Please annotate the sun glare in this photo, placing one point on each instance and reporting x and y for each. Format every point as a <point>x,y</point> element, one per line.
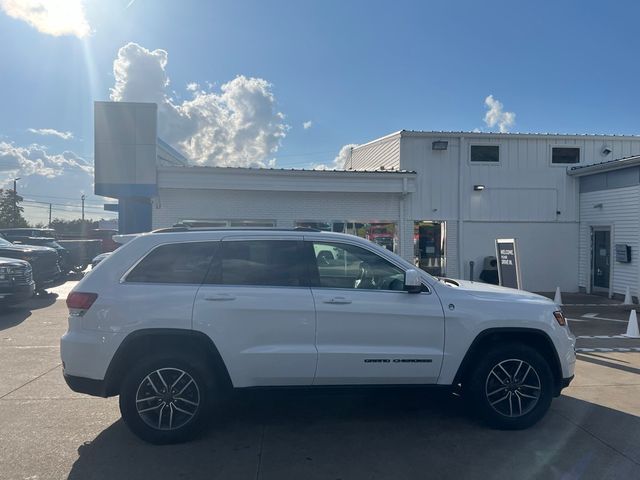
<point>53,17</point>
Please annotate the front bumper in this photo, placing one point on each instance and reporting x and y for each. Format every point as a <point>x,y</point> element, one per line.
<point>16,293</point>
<point>566,381</point>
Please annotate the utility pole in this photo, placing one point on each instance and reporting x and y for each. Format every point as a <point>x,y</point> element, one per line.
<point>49,215</point>
<point>15,201</point>
<point>82,198</point>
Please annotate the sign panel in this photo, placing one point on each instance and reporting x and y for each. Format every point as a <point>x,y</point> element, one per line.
<point>125,140</point>
<point>623,253</point>
<point>508,266</point>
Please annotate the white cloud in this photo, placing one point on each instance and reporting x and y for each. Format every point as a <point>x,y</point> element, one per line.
<point>53,17</point>
<point>51,131</point>
<point>193,86</point>
<point>340,161</point>
<point>43,174</point>
<point>307,125</point>
<point>239,125</point>
<point>35,160</point>
<point>497,116</point>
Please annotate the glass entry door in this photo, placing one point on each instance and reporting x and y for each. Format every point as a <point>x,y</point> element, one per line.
<point>601,259</point>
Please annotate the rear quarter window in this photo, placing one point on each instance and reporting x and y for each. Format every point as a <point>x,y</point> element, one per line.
<point>175,263</point>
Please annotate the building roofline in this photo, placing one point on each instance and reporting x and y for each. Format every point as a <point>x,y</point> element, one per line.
<point>458,134</point>
<point>287,171</point>
<point>380,139</point>
<point>412,133</point>
<point>609,165</point>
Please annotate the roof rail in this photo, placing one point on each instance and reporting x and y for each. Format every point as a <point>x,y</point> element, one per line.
<point>183,228</point>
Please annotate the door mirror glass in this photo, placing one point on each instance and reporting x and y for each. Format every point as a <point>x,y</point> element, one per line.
<point>412,281</point>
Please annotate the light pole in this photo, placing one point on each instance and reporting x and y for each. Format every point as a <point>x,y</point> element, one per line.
<point>82,198</point>
<point>15,201</point>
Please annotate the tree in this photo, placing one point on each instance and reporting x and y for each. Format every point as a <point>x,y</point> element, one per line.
<point>10,210</point>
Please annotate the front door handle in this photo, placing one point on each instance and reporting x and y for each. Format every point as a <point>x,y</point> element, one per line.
<point>219,297</point>
<point>337,300</point>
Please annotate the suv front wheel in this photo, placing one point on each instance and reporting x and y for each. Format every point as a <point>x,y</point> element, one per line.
<point>167,399</point>
<point>511,387</point>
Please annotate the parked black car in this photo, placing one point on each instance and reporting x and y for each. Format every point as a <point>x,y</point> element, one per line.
<point>16,281</point>
<point>43,260</point>
<point>65,259</point>
<point>78,252</point>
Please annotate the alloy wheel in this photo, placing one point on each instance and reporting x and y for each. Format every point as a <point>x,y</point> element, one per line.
<point>167,399</point>
<point>513,388</point>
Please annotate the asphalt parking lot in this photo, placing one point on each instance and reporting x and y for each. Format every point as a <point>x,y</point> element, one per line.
<point>592,430</point>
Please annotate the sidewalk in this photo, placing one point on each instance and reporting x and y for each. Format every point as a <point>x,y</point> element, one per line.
<point>584,299</point>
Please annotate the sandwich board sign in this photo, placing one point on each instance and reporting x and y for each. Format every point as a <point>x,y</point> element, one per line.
<point>508,266</point>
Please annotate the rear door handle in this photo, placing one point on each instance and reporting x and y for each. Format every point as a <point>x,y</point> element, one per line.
<point>337,300</point>
<point>219,297</point>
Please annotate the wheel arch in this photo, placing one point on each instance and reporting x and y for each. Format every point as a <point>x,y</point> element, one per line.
<point>532,337</point>
<point>145,342</point>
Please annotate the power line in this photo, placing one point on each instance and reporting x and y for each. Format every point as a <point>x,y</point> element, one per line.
<point>66,208</point>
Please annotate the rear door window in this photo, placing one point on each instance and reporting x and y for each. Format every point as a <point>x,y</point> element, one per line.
<point>185,263</point>
<point>260,263</point>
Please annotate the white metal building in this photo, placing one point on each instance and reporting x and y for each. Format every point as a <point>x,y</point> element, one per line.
<point>438,198</point>
<point>609,226</point>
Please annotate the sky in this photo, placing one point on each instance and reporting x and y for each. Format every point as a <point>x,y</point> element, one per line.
<point>290,83</point>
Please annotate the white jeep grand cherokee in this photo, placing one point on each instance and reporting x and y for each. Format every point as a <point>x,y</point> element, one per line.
<point>174,319</point>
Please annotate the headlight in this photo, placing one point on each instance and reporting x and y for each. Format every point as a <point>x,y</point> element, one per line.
<point>562,321</point>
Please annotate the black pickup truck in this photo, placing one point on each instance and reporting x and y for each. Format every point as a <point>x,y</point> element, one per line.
<point>16,281</point>
<point>75,255</point>
<point>43,260</point>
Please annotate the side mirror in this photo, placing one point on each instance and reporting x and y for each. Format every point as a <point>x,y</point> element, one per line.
<point>412,281</point>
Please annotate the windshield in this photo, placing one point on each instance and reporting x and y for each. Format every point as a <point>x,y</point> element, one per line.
<point>5,243</point>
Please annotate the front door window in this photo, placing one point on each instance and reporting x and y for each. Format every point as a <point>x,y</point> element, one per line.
<point>348,266</point>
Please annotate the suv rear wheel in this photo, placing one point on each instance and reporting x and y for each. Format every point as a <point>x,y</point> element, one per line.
<point>167,399</point>
<point>511,387</point>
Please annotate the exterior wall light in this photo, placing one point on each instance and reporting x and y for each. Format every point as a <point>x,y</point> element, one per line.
<point>439,145</point>
<point>478,188</point>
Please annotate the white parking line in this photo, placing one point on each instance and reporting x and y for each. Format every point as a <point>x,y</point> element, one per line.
<point>602,336</point>
<point>598,318</point>
<point>614,349</point>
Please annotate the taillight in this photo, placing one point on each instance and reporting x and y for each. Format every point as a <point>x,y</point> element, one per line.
<point>560,318</point>
<point>81,300</point>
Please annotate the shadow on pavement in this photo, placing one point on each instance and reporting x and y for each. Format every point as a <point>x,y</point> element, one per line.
<point>586,357</point>
<point>12,315</point>
<point>364,434</point>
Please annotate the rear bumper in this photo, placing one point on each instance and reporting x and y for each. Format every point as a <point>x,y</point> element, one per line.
<point>86,385</point>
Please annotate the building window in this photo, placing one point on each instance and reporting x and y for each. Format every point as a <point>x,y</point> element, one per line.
<point>379,232</point>
<point>565,155</point>
<point>485,153</point>
<point>228,223</point>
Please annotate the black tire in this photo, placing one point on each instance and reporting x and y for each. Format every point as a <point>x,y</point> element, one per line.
<point>139,384</point>
<point>487,390</point>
